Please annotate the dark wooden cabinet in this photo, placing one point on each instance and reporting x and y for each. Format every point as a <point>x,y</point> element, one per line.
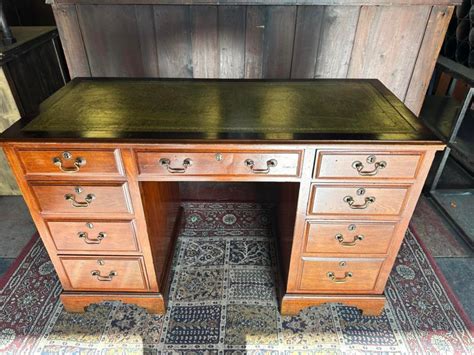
<point>30,71</point>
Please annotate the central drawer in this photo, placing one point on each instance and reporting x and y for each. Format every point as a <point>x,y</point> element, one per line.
<point>336,275</point>
<point>85,199</point>
<point>351,199</point>
<point>93,236</point>
<point>105,273</point>
<point>208,163</point>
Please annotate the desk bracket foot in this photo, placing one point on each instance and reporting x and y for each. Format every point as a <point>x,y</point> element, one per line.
<point>370,305</point>
<point>77,302</point>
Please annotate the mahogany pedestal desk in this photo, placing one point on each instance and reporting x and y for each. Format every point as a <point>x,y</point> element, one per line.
<point>101,167</point>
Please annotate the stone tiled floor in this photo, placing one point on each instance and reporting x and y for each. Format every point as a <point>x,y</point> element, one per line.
<point>453,257</point>
<point>16,229</point>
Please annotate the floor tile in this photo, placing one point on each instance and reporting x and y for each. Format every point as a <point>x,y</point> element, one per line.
<point>13,207</point>
<point>16,226</point>
<point>14,235</point>
<point>459,272</point>
<point>436,234</point>
<point>5,264</point>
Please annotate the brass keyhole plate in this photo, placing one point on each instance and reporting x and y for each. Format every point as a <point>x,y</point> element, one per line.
<point>371,159</point>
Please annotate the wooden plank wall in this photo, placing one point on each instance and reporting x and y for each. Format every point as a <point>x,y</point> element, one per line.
<point>396,44</point>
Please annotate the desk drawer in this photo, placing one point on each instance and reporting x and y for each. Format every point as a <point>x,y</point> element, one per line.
<point>71,162</point>
<point>367,165</point>
<point>105,273</point>
<point>348,237</point>
<point>84,199</point>
<point>357,199</point>
<point>336,275</point>
<point>93,236</point>
<point>205,163</point>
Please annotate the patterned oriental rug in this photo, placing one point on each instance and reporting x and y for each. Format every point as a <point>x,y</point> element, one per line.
<point>223,301</point>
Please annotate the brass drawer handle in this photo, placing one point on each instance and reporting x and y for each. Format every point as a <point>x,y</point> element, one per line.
<point>78,163</point>
<point>251,165</point>
<point>350,201</point>
<point>87,240</point>
<point>359,166</point>
<point>164,162</point>
<point>339,280</point>
<point>80,204</point>
<point>99,277</point>
<point>340,239</point>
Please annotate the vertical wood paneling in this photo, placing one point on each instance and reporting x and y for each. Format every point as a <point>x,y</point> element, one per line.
<point>278,42</point>
<point>71,40</point>
<point>173,37</point>
<point>307,38</point>
<point>337,39</point>
<point>111,37</point>
<point>254,38</point>
<point>184,41</point>
<point>387,42</point>
<point>9,114</point>
<point>426,61</point>
<point>147,40</point>
<point>34,75</point>
<point>232,41</point>
<point>205,42</point>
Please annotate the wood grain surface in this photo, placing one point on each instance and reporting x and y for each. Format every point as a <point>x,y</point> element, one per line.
<point>395,43</point>
<point>267,2</point>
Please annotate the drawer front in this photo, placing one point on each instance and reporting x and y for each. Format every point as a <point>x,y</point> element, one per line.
<point>84,199</point>
<point>71,162</point>
<point>93,236</point>
<point>348,238</point>
<point>367,165</point>
<point>165,163</point>
<point>168,163</point>
<point>333,275</point>
<point>271,163</point>
<point>357,200</point>
<point>105,273</point>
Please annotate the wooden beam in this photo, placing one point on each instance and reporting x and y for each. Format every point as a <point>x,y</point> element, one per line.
<point>263,2</point>
<point>71,40</point>
<point>426,61</point>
